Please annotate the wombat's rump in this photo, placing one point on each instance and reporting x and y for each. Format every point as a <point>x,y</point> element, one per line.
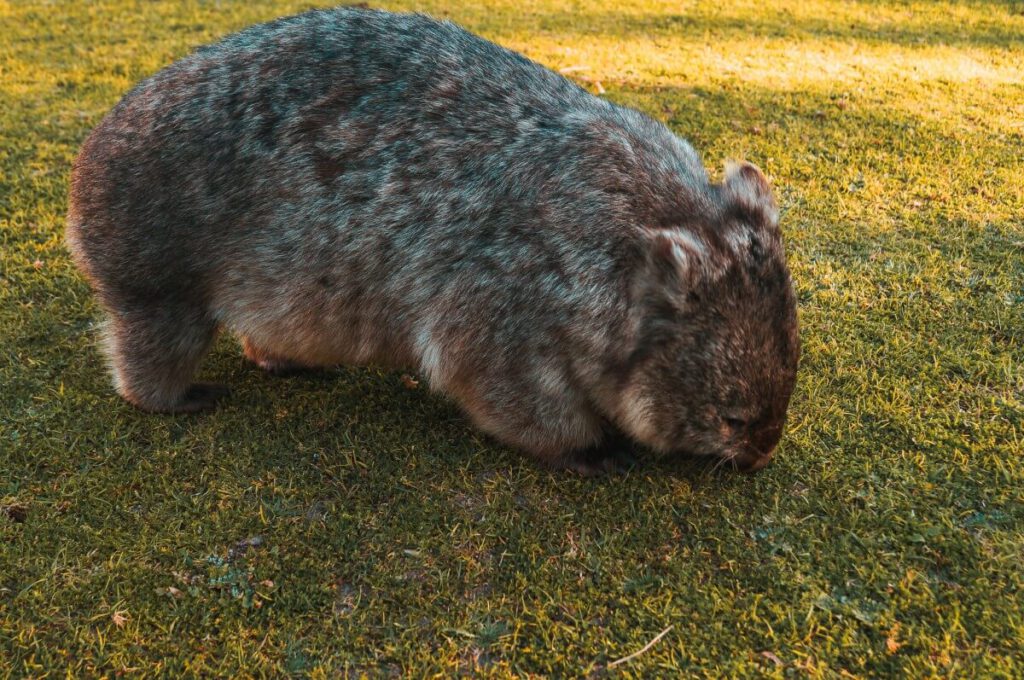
<point>352,186</point>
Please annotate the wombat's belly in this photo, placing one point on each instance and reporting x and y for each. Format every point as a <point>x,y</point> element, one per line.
<point>314,321</point>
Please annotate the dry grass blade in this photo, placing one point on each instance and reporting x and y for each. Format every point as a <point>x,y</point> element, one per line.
<point>627,659</point>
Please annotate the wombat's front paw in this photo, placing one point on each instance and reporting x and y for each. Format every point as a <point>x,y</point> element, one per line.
<point>282,369</point>
<point>200,397</point>
<point>606,458</point>
<point>271,363</point>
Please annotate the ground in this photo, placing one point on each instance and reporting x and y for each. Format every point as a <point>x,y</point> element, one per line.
<point>353,523</point>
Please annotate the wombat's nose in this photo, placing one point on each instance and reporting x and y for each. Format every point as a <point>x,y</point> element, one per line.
<point>752,461</point>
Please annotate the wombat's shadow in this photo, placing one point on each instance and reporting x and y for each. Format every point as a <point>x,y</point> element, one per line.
<point>402,403</point>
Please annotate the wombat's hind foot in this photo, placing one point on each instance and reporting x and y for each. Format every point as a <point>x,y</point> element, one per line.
<point>271,363</point>
<point>201,397</point>
<point>153,356</point>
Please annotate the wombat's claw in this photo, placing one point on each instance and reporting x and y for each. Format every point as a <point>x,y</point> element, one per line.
<point>201,397</point>
<point>282,369</point>
<point>288,369</point>
<point>270,362</point>
<point>602,460</point>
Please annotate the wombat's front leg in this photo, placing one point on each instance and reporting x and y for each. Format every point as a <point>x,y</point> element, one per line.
<point>612,455</point>
<point>558,429</point>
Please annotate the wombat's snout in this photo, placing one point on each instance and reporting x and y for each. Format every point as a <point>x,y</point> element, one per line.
<point>758,447</point>
<point>752,461</point>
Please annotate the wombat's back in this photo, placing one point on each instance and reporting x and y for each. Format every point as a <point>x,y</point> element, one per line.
<point>338,106</point>
<point>350,110</point>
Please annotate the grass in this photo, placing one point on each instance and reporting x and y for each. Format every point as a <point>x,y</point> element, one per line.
<point>349,525</point>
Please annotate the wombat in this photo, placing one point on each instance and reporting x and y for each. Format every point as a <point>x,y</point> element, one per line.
<point>353,186</point>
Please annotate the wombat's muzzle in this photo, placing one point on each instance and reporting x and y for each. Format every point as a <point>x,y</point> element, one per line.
<point>759,447</point>
<point>752,461</point>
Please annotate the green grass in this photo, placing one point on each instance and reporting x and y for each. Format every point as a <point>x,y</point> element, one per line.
<point>348,525</point>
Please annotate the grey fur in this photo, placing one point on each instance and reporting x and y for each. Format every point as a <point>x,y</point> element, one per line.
<point>353,186</point>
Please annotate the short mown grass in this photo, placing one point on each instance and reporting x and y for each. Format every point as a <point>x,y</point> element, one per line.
<point>346,524</point>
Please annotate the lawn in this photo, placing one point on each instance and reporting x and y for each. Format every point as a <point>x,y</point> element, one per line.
<point>349,524</point>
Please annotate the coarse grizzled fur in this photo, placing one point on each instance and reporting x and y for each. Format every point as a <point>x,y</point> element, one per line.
<point>354,186</point>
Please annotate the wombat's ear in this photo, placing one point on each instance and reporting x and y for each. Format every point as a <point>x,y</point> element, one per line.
<point>672,260</point>
<point>747,188</point>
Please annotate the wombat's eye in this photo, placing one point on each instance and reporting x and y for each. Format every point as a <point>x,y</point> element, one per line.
<point>735,423</point>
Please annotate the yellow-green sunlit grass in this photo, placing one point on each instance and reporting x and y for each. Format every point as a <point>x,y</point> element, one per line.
<point>346,525</point>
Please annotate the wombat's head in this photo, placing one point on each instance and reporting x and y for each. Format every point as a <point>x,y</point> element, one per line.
<point>717,345</point>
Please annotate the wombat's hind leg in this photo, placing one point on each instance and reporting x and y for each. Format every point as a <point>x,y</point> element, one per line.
<point>154,353</point>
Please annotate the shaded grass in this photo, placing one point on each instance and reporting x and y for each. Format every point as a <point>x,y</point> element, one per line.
<point>346,524</point>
